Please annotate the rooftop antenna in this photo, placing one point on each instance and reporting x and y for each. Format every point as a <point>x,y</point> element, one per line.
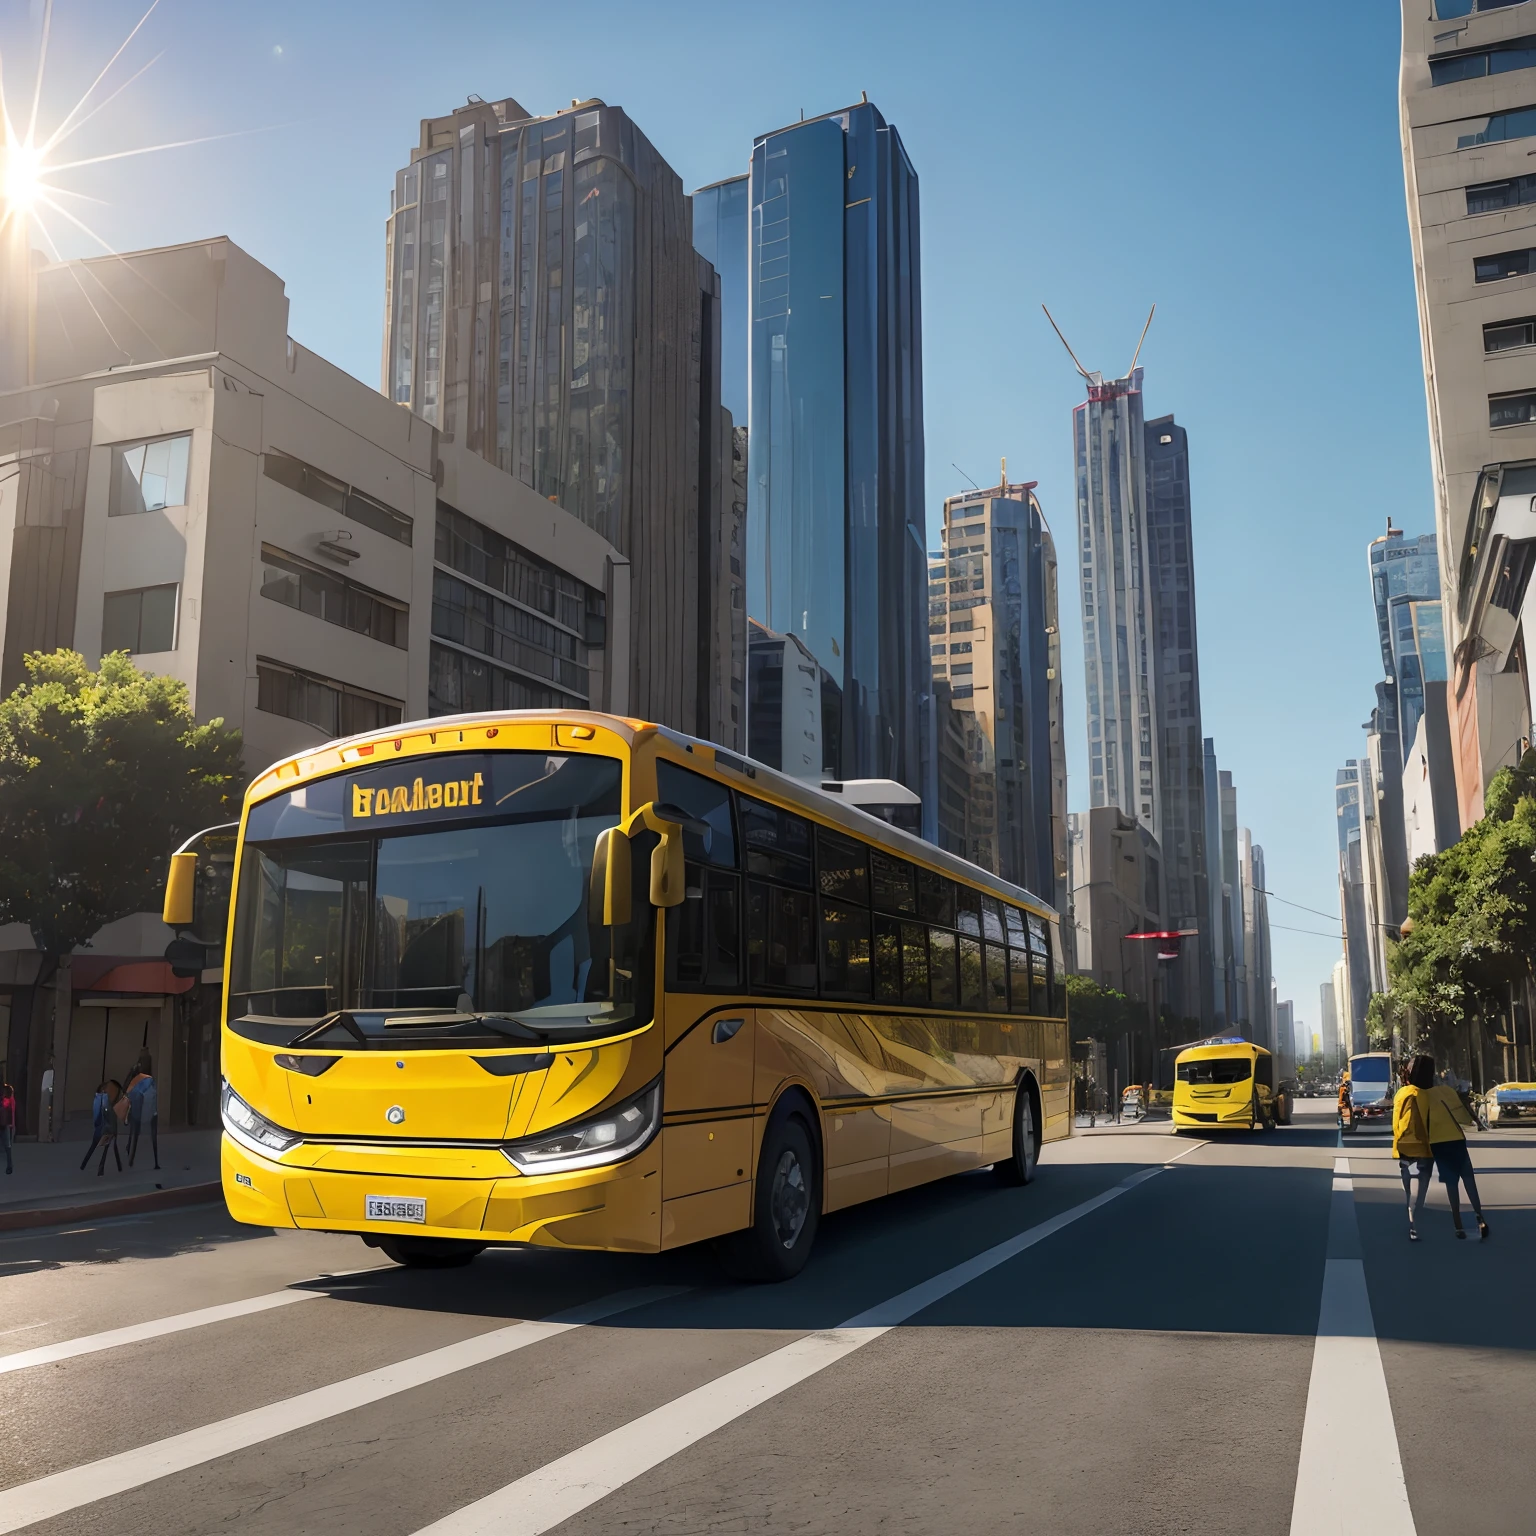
<point>1005,473</point>
<point>1147,327</point>
<point>963,475</point>
<point>1068,346</point>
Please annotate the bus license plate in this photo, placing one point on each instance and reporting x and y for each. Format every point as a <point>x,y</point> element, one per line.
<point>395,1208</point>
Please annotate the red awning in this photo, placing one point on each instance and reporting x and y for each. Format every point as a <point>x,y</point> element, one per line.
<point>102,973</point>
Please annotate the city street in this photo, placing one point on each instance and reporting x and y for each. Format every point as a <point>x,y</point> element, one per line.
<point>1127,1345</point>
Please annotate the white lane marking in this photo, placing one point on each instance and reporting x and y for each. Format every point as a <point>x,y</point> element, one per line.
<point>1168,1162</point>
<point>86,1344</point>
<point>1350,1475</point>
<point>46,1354</point>
<point>555,1492</point>
<point>45,1497</point>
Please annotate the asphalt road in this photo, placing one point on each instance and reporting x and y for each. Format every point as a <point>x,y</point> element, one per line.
<point>1131,1344</point>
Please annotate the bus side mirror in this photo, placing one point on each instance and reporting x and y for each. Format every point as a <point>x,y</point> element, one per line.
<point>668,860</point>
<point>180,889</point>
<point>608,899</point>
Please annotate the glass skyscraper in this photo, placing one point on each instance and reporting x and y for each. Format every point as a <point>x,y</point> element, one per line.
<point>1405,588</point>
<point>835,494</point>
<point>720,237</point>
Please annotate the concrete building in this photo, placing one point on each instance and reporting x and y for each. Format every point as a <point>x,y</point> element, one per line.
<point>1285,1025</point>
<point>1328,1035</point>
<point>785,688</point>
<point>1258,957</point>
<point>546,311</point>
<point>184,481</point>
<point>836,548</point>
<point>995,640</point>
<point>1216,939</point>
<point>1352,904</point>
<point>1467,84</point>
<point>1117,889</point>
<point>1385,848</point>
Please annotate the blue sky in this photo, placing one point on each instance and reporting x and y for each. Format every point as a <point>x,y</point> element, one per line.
<point>1238,165</point>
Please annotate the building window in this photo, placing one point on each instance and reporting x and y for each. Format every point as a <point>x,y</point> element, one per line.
<point>140,622</point>
<point>336,494</point>
<point>1512,410</point>
<point>480,622</point>
<point>1506,335</point>
<point>287,579</point>
<point>1499,59</point>
<point>1500,128</point>
<point>1491,196</point>
<point>1490,269</point>
<point>335,708</point>
<point>147,477</point>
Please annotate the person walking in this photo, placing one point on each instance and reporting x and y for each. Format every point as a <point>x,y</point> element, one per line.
<point>1434,1116</point>
<point>7,1120</point>
<point>1410,1146</point>
<point>108,1109</point>
<point>1344,1101</point>
<point>143,1110</point>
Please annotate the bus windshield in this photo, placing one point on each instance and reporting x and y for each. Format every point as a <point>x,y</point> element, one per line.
<point>1216,1069</point>
<point>481,906</point>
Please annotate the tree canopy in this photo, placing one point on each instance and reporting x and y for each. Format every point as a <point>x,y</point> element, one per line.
<point>1473,911</point>
<point>102,774</point>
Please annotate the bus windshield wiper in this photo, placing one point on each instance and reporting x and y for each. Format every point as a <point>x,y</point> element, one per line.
<point>323,1026</point>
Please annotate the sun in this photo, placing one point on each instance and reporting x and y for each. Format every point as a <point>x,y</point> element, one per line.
<point>21,178</point>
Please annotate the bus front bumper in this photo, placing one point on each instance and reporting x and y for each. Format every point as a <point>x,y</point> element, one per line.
<point>614,1207</point>
<point>1215,1117</point>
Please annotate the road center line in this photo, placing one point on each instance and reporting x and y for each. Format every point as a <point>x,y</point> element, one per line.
<point>1350,1475</point>
<point>555,1492</point>
<point>45,1497</point>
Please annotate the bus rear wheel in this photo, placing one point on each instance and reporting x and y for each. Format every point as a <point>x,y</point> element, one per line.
<point>429,1252</point>
<point>786,1207</point>
<point>1019,1168</point>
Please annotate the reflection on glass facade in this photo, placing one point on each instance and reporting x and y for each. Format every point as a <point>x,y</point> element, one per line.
<point>1405,588</point>
<point>835,518</point>
<point>547,311</point>
<point>720,237</point>
<point>995,655</point>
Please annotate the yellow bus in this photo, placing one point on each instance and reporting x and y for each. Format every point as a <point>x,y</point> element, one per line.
<point>1226,1081</point>
<point>580,981</point>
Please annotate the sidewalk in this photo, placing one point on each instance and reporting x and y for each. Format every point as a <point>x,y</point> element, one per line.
<point>48,1185</point>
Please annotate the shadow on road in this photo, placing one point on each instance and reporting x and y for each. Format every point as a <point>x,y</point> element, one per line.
<point>158,1235</point>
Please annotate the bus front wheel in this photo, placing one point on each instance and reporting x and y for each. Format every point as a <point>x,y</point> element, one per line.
<point>786,1206</point>
<point>429,1252</point>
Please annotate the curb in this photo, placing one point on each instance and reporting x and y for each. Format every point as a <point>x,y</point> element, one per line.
<point>123,1205</point>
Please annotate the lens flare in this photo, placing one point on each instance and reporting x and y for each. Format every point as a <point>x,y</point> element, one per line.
<point>21,178</point>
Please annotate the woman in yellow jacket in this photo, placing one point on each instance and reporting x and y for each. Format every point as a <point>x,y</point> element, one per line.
<point>1427,1126</point>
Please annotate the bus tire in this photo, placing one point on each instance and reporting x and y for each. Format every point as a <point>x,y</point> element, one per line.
<point>429,1252</point>
<point>1019,1167</point>
<point>786,1204</point>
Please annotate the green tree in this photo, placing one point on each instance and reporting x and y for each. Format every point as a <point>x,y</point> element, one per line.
<point>102,774</point>
<point>1472,917</point>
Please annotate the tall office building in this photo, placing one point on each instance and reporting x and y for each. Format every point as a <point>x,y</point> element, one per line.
<point>1140,647</point>
<point>546,310</point>
<point>1405,574</point>
<point>1175,650</point>
<point>1216,948</point>
<point>1352,904</point>
<point>720,236</point>
<point>1467,83</point>
<point>836,546</point>
<point>996,646</point>
<point>1328,1037</point>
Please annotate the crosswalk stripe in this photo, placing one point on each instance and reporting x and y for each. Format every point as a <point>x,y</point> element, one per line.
<point>46,1354</point>
<point>555,1492</point>
<point>56,1494</point>
<point>1350,1473</point>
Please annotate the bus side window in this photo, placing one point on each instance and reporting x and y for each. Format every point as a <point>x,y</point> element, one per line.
<point>941,967</point>
<point>1264,1071</point>
<point>706,801</point>
<point>704,933</point>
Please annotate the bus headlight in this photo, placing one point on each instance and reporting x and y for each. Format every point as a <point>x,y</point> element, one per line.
<point>610,1137</point>
<point>251,1130</point>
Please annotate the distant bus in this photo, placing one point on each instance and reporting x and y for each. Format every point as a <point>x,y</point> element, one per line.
<point>1225,1082</point>
<point>578,981</point>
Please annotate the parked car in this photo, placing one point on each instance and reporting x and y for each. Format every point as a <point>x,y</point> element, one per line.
<point>1510,1102</point>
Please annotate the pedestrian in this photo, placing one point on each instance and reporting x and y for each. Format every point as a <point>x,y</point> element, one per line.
<point>1410,1146</point>
<point>143,1109</point>
<point>7,1119</point>
<point>1433,1116</point>
<point>1343,1101</point>
<point>107,1111</point>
